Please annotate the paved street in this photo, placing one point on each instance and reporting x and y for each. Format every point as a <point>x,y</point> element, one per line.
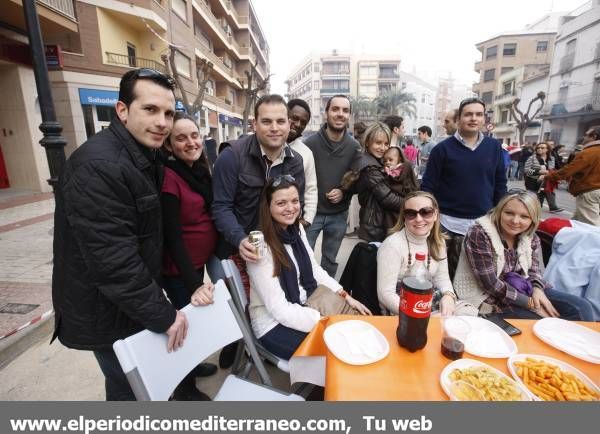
<point>53,372</point>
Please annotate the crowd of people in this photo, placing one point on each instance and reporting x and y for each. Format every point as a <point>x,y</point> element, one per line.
<point>140,209</point>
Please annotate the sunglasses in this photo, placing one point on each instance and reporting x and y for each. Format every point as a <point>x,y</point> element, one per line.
<point>281,178</point>
<point>153,73</point>
<point>426,213</point>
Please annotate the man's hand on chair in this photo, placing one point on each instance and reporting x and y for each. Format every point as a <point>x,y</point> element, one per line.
<point>177,332</point>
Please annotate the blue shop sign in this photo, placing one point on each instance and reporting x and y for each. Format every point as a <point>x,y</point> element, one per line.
<point>98,97</point>
<point>229,120</point>
<point>180,107</point>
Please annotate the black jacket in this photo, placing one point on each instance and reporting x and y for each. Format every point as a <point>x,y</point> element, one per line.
<point>375,197</point>
<point>239,176</point>
<point>108,243</point>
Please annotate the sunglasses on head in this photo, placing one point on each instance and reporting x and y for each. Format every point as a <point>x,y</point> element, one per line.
<point>153,73</point>
<point>426,213</point>
<point>279,179</point>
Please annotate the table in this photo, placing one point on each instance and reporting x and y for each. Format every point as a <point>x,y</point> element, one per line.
<point>406,376</point>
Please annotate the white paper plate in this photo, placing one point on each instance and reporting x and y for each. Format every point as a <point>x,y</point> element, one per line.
<point>356,342</point>
<point>562,365</point>
<point>572,338</point>
<point>488,340</point>
<point>470,363</point>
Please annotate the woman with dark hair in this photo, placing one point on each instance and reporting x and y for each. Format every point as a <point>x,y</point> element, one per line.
<point>539,164</point>
<point>286,279</point>
<point>189,234</point>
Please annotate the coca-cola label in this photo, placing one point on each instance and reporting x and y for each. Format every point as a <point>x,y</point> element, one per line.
<point>415,305</point>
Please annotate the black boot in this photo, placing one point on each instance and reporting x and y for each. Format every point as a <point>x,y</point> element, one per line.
<point>187,391</point>
<point>204,370</point>
<point>227,356</point>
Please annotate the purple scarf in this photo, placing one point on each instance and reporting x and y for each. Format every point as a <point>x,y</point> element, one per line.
<point>518,282</point>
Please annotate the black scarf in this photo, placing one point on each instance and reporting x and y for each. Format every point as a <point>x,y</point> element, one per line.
<point>197,177</point>
<point>288,277</point>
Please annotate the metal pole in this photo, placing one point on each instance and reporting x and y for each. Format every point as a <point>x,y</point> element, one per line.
<point>53,142</point>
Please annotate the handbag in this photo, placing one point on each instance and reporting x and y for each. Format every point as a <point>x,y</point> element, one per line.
<point>532,183</point>
<point>328,302</point>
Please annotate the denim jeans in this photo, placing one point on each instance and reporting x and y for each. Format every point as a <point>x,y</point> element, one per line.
<point>569,306</point>
<point>115,382</point>
<point>334,229</point>
<point>176,290</point>
<point>282,341</point>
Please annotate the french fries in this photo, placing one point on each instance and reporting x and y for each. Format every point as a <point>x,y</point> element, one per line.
<point>491,385</point>
<point>550,383</point>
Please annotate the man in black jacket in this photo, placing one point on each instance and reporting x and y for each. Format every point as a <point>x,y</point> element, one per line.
<point>108,232</point>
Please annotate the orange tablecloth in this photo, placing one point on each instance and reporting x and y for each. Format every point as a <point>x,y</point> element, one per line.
<point>413,376</point>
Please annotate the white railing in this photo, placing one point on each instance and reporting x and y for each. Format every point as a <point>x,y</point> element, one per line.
<point>65,7</point>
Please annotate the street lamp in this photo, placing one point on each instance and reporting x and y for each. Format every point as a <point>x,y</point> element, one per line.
<point>53,141</point>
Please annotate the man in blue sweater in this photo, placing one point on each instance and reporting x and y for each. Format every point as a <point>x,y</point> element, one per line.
<point>466,174</point>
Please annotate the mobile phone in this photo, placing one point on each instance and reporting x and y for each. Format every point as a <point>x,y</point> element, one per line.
<point>510,329</point>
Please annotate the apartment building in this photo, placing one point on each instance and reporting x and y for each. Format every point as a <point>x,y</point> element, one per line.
<point>524,83</point>
<point>319,76</point>
<point>425,98</point>
<point>450,93</point>
<point>92,43</point>
<point>573,96</point>
<point>533,45</point>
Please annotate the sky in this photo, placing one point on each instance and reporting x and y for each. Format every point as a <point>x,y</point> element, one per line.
<point>432,38</point>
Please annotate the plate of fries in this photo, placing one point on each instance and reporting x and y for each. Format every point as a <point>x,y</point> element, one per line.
<point>549,379</point>
<point>472,380</point>
<point>569,337</point>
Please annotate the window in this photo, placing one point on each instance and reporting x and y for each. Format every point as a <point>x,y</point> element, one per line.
<point>489,74</point>
<point>316,67</point>
<point>180,8</point>
<point>368,71</point>
<point>182,64</point>
<point>506,69</point>
<point>210,87</point>
<point>509,50</point>
<point>542,46</point>
<point>368,90</point>
<point>131,55</point>
<point>504,116</point>
<point>508,87</point>
<point>341,85</point>
<point>202,37</point>
<point>491,52</point>
<point>336,68</point>
<point>316,85</point>
<point>562,94</point>
<point>487,97</point>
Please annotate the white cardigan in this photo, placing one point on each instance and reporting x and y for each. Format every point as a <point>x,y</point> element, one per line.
<point>392,264</point>
<point>268,305</point>
<point>311,195</point>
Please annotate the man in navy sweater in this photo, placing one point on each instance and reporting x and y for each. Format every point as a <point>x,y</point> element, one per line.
<point>465,173</point>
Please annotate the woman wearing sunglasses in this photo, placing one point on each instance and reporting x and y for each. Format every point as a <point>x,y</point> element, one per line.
<point>286,278</point>
<point>417,231</point>
<point>498,270</point>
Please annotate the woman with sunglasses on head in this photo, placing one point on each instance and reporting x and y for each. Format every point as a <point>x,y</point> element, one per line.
<point>189,234</point>
<point>536,166</point>
<point>417,231</point>
<point>498,270</point>
<point>286,277</point>
<point>380,195</point>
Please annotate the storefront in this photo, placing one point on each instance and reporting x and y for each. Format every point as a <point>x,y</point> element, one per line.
<point>98,108</point>
<point>231,127</point>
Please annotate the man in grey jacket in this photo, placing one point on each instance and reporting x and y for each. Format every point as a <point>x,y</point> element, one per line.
<point>334,151</point>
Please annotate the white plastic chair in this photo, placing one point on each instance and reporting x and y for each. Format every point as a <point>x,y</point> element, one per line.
<point>153,373</point>
<point>234,281</point>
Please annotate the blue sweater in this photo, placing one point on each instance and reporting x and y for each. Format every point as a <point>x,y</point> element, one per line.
<point>466,183</point>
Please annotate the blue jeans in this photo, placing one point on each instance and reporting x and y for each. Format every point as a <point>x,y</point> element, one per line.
<point>334,229</point>
<point>115,382</point>
<point>569,306</point>
<point>282,341</point>
<point>176,290</point>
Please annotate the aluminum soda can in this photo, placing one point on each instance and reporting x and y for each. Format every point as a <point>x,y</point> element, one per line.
<point>257,239</point>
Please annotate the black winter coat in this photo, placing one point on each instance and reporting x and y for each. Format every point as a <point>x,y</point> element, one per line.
<point>375,197</point>
<point>108,243</point>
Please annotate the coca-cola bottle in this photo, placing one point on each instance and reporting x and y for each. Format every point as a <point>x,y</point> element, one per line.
<point>416,292</point>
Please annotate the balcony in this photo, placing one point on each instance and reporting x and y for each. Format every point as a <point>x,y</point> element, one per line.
<point>566,63</point>
<point>65,7</point>
<point>133,62</point>
<point>333,91</point>
<point>388,75</point>
<point>478,66</point>
<point>580,105</point>
<point>505,98</point>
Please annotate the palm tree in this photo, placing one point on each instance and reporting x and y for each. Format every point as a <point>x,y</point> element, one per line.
<point>363,108</point>
<point>396,102</point>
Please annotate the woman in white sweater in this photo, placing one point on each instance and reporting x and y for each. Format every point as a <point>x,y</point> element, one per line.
<point>417,231</point>
<point>287,274</point>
